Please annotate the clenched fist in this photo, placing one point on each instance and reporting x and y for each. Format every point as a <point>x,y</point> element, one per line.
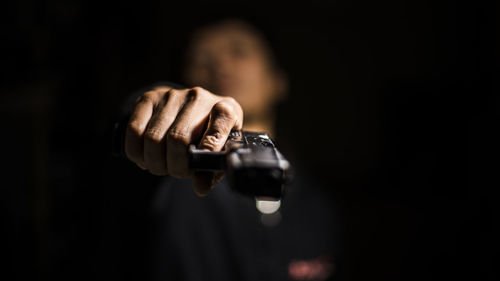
<point>165,121</point>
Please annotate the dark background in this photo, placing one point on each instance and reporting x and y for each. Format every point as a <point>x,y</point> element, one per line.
<point>393,103</point>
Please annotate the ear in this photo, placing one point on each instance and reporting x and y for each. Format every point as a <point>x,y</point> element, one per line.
<point>281,85</point>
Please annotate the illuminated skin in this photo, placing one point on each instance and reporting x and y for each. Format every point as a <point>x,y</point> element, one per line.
<point>229,59</point>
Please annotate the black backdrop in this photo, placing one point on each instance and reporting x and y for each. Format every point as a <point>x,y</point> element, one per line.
<point>393,103</point>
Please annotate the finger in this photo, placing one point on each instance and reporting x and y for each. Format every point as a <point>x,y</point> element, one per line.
<point>224,117</point>
<point>204,181</point>
<point>137,125</point>
<point>187,127</point>
<point>164,114</point>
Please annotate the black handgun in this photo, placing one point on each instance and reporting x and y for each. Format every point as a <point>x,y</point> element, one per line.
<point>251,162</point>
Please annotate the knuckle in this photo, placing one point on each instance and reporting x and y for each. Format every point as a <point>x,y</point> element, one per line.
<point>225,109</point>
<point>149,95</point>
<point>134,128</point>
<point>178,137</point>
<point>230,100</point>
<point>198,89</point>
<point>154,135</point>
<point>197,93</point>
<point>172,93</point>
<point>236,110</point>
<point>194,93</point>
<point>162,89</point>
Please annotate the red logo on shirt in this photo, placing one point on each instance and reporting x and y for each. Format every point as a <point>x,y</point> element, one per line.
<point>317,269</point>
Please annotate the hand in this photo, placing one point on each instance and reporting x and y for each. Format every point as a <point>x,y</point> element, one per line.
<point>165,121</point>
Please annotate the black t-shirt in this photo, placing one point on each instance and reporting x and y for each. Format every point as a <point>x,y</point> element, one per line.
<point>224,237</point>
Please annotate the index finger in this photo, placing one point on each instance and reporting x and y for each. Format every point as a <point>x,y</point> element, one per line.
<point>223,118</point>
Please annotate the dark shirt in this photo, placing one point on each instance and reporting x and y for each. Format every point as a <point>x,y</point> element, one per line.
<point>224,237</point>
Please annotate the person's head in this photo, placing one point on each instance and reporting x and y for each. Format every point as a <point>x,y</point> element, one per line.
<point>230,57</point>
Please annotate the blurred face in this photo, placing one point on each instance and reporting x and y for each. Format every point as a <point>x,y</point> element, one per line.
<point>230,59</point>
